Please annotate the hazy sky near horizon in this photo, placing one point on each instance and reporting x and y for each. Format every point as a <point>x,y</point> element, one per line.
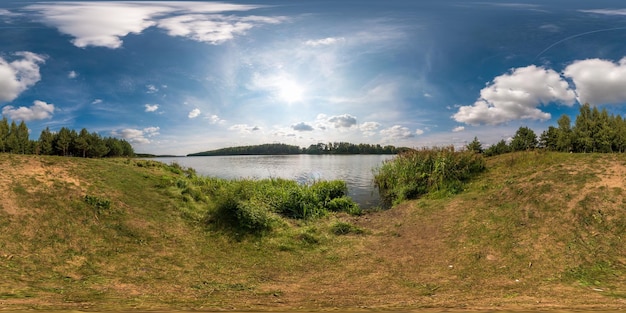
<point>186,76</point>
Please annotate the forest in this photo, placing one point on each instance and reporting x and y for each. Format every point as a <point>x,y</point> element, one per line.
<point>14,138</point>
<point>593,131</point>
<point>320,148</point>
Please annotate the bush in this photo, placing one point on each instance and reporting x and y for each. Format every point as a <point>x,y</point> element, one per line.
<point>255,206</point>
<point>418,172</point>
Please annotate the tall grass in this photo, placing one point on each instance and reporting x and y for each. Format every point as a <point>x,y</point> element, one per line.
<point>253,206</point>
<point>418,172</point>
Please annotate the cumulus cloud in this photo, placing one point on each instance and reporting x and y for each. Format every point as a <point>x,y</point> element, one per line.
<point>369,126</point>
<point>104,23</point>
<point>397,132</point>
<point>598,81</point>
<point>302,126</point>
<point>458,129</point>
<point>419,131</point>
<point>151,107</point>
<point>194,113</point>
<point>19,75</point>
<point>40,110</point>
<point>214,119</point>
<point>72,75</point>
<point>324,42</point>
<point>139,136</point>
<point>516,95</point>
<point>342,121</point>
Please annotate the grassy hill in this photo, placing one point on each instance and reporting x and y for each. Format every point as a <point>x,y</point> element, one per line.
<point>535,231</point>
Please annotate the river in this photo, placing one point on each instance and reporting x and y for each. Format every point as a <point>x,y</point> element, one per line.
<point>355,170</point>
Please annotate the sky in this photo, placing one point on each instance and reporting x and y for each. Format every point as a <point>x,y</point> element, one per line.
<point>181,77</point>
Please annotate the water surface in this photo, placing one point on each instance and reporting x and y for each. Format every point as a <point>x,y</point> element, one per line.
<point>355,170</point>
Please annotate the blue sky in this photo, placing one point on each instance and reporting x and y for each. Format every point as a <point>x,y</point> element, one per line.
<point>180,77</point>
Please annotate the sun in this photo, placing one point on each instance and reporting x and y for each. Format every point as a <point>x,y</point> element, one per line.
<point>289,91</point>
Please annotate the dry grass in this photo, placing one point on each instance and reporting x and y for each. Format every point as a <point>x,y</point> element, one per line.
<point>537,231</point>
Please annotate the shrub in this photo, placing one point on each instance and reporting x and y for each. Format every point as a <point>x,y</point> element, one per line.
<point>344,204</point>
<point>418,172</point>
<point>343,228</point>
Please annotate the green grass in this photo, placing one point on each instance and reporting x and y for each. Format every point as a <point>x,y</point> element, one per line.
<point>124,234</point>
<point>435,171</point>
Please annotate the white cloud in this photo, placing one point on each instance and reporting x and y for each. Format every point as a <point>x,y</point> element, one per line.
<point>598,81</point>
<point>151,89</point>
<point>151,107</point>
<point>342,121</point>
<point>139,136</point>
<point>606,11</point>
<point>151,131</point>
<point>72,75</point>
<point>214,119</point>
<point>369,126</point>
<point>194,113</point>
<point>96,101</point>
<point>458,129</point>
<point>516,95</point>
<point>40,110</point>
<point>419,131</point>
<point>550,28</point>
<point>302,126</point>
<point>19,75</point>
<point>104,23</point>
<point>213,29</point>
<point>244,128</point>
<point>397,132</point>
<point>324,42</point>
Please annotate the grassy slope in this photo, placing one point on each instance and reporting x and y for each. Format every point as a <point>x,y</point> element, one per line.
<point>535,231</point>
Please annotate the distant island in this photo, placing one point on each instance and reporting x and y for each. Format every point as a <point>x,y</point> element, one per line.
<point>320,148</point>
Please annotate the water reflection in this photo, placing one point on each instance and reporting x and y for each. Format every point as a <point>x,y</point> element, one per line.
<point>355,170</point>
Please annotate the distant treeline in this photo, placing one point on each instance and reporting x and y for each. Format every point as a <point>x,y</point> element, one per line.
<point>14,138</point>
<point>593,131</point>
<point>320,148</point>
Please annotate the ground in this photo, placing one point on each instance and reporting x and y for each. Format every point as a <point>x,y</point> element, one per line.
<point>535,232</point>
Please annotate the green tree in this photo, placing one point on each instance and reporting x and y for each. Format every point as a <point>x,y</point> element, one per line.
<point>22,135</point>
<point>564,134</point>
<point>97,146</point>
<point>4,133</point>
<point>500,148</point>
<point>46,139</point>
<point>475,146</point>
<point>524,139</point>
<point>63,140</point>
<point>82,142</point>
<point>549,139</point>
<point>583,129</point>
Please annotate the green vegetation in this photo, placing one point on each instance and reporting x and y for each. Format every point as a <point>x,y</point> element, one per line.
<point>248,206</point>
<point>415,173</point>
<point>320,148</point>
<point>593,131</point>
<point>537,230</point>
<point>15,139</point>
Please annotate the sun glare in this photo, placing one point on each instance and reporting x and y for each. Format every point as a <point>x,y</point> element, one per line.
<point>290,92</point>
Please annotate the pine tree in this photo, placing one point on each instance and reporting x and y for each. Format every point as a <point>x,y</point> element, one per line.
<point>45,142</point>
<point>63,140</point>
<point>524,139</point>
<point>4,133</point>
<point>475,146</point>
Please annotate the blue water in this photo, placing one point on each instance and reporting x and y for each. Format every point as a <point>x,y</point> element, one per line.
<point>355,170</point>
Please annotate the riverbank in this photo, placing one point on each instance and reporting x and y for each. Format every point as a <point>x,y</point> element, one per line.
<point>537,231</point>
